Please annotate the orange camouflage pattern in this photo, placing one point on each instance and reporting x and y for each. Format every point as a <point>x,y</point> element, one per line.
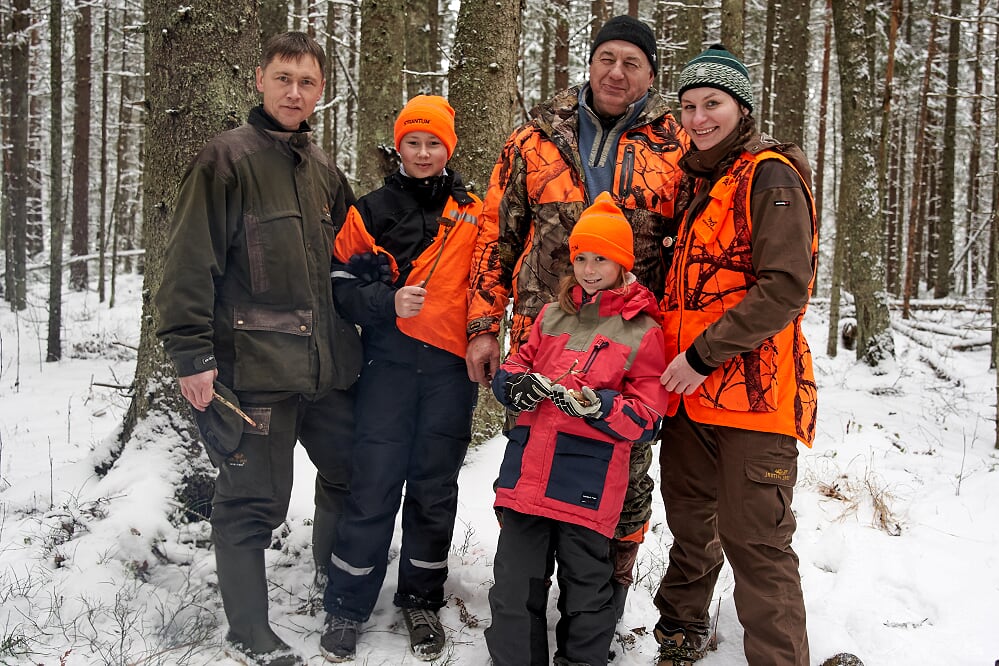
<point>771,388</point>
<point>536,194</point>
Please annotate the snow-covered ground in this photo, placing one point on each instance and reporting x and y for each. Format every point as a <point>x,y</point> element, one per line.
<point>897,506</point>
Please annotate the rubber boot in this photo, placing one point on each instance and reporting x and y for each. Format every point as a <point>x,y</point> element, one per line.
<point>243,584</point>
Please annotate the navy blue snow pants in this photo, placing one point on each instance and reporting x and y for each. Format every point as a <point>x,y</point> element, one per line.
<point>413,429</point>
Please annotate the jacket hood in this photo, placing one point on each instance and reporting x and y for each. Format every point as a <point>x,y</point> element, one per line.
<point>631,300</point>
<point>792,152</point>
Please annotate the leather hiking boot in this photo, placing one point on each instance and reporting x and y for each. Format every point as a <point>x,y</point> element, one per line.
<point>426,634</point>
<point>678,647</point>
<point>339,640</point>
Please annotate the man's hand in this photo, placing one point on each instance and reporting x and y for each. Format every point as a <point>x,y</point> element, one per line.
<point>526,390</point>
<point>679,377</point>
<point>198,389</point>
<point>482,358</point>
<point>409,300</point>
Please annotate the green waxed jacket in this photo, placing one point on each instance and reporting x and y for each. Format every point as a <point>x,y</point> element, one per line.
<point>246,283</point>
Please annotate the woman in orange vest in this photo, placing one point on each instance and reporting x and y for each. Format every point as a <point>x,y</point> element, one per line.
<point>736,356</point>
<point>404,257</point>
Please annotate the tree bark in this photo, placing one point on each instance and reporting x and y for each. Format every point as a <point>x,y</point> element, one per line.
<point>80,245</point>
<point>483,84</point>
<point>16,178</point>
<point>422,59</point>
<point>192,93</point>
<point>863,216</point>
<point>733,25</point>
<point>273,18</point>
<point>917,179</point>
<point>791,71</point>
<point>57,223</point>
<point>948,189</point>
<point>561,61</point>
<point>380,87</point>
<point>765,114</point>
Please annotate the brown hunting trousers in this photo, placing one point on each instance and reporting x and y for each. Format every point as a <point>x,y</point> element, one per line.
<point>728,493</point>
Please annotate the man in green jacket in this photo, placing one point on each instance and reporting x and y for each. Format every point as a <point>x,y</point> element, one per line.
<point>246,309</point>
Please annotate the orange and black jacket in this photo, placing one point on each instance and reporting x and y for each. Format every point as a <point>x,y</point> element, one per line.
<point>738,289</point>
<point>424,232</point>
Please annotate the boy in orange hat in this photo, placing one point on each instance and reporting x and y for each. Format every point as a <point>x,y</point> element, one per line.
<point>586,386</point>
<point>404,257</point>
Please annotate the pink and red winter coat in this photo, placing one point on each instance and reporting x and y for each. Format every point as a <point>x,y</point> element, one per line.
<point>575,469</point>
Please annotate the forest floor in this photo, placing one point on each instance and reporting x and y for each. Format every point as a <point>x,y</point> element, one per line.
<point>897,508</point>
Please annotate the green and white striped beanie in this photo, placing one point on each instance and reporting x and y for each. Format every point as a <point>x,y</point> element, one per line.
<point>718,68</point>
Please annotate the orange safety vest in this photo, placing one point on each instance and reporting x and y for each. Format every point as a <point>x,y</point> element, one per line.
<point>445,267</point>
<point>771,388</point>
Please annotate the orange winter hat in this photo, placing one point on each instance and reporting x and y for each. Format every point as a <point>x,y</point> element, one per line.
<point>427,113</point>
<point>603,229</point>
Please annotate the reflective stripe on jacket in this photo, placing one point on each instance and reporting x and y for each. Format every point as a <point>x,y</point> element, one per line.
<point>772,387</point>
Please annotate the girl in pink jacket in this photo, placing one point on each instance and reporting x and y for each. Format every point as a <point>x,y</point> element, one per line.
<point>587,385</point>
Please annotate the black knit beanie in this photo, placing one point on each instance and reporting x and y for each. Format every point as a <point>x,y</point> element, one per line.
<point>717,68</point>
<point>632,30</point>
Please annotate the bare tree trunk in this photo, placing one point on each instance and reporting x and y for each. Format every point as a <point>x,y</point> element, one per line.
<point>191,95</point>
<point>380,87</point>
<point>80,245</point>
<point>895,187</point>
<point>819,177</point>
<point>57,223</point>
<point>546,61</point>
<point>561,10</point>
<point>126,179</point>
<point>883,158</point>
<point>917,178</point>
<point>945,225</point>
<point>482,82</point>
<point>791,71</point>
<point>422,20</point>
<point>102,221</point>
<point>994,244</point>
<point>765,113</point>
<point>273,18</point>
<point>6,31</point>
<point>330,139</point>
<point>16,178</point>
<point>733,26</point>
<point>973,202</point>
<point>863,216</point>
<point>34,237</point>
<point>600,13</point>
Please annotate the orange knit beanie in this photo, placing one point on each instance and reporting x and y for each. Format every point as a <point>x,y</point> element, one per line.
<point>603,229</point>
<point>427,113</point>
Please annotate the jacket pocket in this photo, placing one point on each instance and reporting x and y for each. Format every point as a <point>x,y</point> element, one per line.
<point>272,349</point>
<point>276,253</point>
<point>579,470</point>
<point>766,506</point>
<point>513,458</point>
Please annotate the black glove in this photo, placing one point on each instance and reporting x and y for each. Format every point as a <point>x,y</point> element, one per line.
<point>526,390</point>
<point>370,267</point>
<point>587,404</point>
